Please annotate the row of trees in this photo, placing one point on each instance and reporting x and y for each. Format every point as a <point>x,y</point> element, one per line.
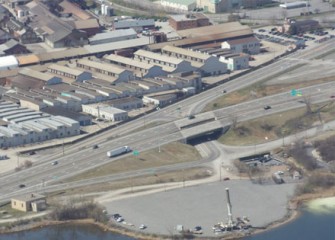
<point>81,210</point>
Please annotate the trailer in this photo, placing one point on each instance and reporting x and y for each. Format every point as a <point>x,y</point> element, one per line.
<point>118,151</point>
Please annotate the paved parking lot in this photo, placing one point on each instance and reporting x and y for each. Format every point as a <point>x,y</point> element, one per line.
<point>204,205</point>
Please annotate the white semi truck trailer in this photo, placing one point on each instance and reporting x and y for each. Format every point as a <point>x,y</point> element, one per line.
<point>118,151</point>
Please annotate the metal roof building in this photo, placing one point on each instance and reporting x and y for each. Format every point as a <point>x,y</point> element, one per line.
<point>169,64</point>
<point>140,69</point>
<point>45,77</point>
<point>208,34</point>
<point>107,69</point>
<point>77,75</point>
<point>113,36</point>
<point>207,64</point>
<point>8,62</point>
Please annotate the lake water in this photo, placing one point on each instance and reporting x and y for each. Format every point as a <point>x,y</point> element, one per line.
<point>309,226</point>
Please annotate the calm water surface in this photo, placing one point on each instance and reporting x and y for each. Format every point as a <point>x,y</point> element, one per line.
<point>309,226</point>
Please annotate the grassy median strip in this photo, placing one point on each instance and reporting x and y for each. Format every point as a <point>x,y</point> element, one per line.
<point>168,154</point>
<point>259,90</point>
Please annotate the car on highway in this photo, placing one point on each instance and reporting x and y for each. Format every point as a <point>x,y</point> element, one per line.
<point>95,146</point>
<point>332,96</point>
<point>226,179</point>
<point>224,91</point>
<point>54,163</point>
<point>267,107</point>
<point>22,186</point>
<point>191,117</point>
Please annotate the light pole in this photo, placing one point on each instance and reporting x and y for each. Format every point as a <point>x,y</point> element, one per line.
<point>18,160</point>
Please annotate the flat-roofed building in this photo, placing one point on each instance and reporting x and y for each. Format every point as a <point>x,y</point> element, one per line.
<point>76,74</point>
<point>207,64</point>
<point>83,119</point>
<point>160,100</point>
<point>190,20</point>
<point>113,36</point>
<point>29,202</point>
<point>47,78</point>
<point>169,64</point>
<point>136,24</point>
<point>120,74</point>
<point>180,5</point>
<point>126,103</point>
<point>106,112</point>
<point>236,61</point>
<point>140,69</point>
<point>153,85</point>
<point>249,45</point>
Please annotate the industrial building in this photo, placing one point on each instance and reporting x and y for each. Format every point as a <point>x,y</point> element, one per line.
<point>136,24</point>
<point>140,69</point>
<point>206,35</point>
<point>126,103</point>
<point>102,111</point>
<point>169,64</point>
<point>250,45</point>
<point>75,74</point>
<point>118,74</point>
<point>179,5</point>
<point>47,78</point>
<point>236,61</point>
<point>190,20</point>
<point>113,36</point>
<point>207,64</point>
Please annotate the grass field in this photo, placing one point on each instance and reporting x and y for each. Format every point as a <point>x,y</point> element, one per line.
<point>169,154</point>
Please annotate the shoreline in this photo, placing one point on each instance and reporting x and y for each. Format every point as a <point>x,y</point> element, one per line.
<point>293,212</point>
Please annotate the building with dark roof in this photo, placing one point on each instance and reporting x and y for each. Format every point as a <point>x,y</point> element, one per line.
<point>83,119</point>
<point>190,20</point>
<point>206,35</point>
<point>12,47</point>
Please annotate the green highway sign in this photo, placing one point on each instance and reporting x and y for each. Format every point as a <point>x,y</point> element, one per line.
<point>136,153</point>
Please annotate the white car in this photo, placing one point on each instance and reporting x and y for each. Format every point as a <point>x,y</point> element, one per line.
<point>142,226</point>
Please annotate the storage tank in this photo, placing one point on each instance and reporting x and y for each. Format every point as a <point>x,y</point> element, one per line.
<point>103,9</point>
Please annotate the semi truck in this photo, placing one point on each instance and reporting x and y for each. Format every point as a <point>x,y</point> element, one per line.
<point>118,151</point>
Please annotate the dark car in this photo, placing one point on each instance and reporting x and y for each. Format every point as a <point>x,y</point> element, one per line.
<point>22,186</point>
<point>95,146</point>
<point>267,107</point>
<point>332,96</point>
<point>191,117</point>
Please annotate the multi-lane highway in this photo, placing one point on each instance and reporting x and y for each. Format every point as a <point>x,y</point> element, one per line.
<point>82,156</point>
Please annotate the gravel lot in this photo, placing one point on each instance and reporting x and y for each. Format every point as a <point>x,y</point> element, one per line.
<point>204,205</point>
